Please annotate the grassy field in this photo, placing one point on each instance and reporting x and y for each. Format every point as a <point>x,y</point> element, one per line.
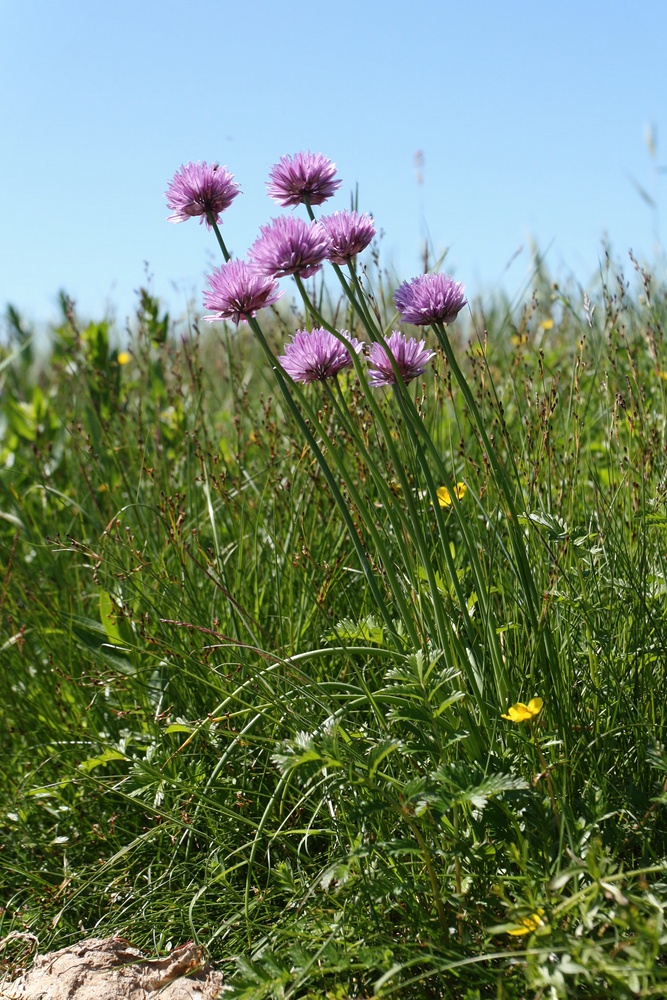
<point>256,670</point>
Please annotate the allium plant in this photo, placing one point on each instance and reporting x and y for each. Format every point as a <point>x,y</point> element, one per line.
<point>237,292</point>
<point>198,189</point>
<point>349,233</point>
<point>317,355</point>
<point>288,245</point>
<point>305,178</point>
<point>426,573</point>
<point>430,298</point>
<point>410,359</point>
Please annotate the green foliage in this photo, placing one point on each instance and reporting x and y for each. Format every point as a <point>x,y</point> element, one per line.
<point>234,715</point>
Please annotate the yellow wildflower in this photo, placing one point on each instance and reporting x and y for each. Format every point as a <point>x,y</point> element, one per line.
<point>547,324</point>
<point>528,924</point>
<point>123,358</point>
<point>521,712</point>
<point>445,498</point>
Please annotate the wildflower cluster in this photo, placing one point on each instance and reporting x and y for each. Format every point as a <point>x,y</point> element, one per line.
<point>290,246</point>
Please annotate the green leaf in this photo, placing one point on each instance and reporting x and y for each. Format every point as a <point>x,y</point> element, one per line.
<point>365,630</point>
<point>93,636</point>
<point>89,765</point>
<point>108,618</point>
<point>557,529</point>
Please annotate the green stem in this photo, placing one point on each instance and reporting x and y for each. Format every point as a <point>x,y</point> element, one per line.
<point>428,861</point>
<point>457,872</point>
<point>537,621</point>
<point>414,420</point>
<point>218,235</point>
<point>545,770</point>
<point>443,624</point>
<point>330,480</point>
<point>357,304</point>
<point>403,525</point>
<point>360,297</point>
<point>479,577</point>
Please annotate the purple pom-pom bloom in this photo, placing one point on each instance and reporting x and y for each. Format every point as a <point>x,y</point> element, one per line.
<point>430,298</point>
<point>317,355</point>
<point>410,355</point>
<point>349,232</point>
<point>237,292</point>
<point>304,177</point>
<point>197,189</point>
<point>289,246</point>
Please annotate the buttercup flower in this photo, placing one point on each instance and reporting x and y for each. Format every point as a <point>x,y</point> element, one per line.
<point>430,298</point>
<point>304,177</point>
<point>197,189</point>
<point>236,292</point>
<point>522,713</point>
<point>529,924</point>
<point>349,232</point>
<point>316,355</point>
<point>444,496</point>
<point>289,246</point>
<point>410,355</point>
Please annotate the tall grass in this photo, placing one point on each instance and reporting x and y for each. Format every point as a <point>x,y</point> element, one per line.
<point>236,713</point>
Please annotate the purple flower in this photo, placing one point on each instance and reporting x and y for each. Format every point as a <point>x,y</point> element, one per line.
<point>349,232</point>
<point>289,246</point>
<point>317,355</point>
<point>430,298</point>
<point>304,177</point>
<point>410,355</point>
<point>237,292</point>
<point>197,189</point>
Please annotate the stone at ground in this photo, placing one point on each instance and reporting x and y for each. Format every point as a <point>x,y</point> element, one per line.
<point>111,969</point>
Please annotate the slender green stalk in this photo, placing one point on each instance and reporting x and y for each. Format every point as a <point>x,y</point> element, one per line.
<point>330,480</point>
<point>545,769</point>
<point>218,235</point>
<point>518,544</point>
<point>414,420</point>
<point>444,626</point>
<point>433,878</point>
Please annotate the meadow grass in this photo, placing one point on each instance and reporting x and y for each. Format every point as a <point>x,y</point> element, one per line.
<point>238,712</point>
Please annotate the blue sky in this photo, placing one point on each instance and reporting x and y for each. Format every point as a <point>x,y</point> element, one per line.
<point>531,117</point>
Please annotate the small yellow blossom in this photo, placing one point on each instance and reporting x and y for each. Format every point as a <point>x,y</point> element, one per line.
<point>123,358</point>
<point>445,498</point>
<point>529,924</point>
<point>521,712</point>
<point>547,324</point>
